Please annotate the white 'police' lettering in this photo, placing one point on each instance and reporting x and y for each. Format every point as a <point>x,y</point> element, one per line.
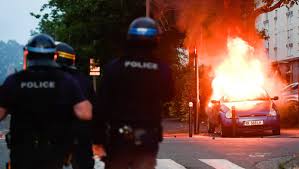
<point>142,65</point>
<point>38,85</point>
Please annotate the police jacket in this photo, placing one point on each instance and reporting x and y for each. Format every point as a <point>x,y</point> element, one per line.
<point>84,83</point>
<point>41,101</point>
<point>82,129</point>
<point>132,91</point>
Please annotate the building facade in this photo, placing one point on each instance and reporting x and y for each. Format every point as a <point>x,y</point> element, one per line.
<point>281,27</point>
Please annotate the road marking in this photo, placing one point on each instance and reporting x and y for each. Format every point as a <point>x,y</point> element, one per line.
<point>168,164</point>
<point>161,164</point>
<point>220,164</point>
<point>259,155</point>
<point>235,154</point>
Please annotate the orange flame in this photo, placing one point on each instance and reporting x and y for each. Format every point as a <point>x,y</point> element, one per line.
<point>242,75</point>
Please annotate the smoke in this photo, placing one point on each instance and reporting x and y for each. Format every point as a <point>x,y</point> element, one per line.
<point>209,24</point>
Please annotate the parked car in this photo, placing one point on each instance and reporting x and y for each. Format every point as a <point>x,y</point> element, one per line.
<point>251,115</point>
<point>289,94</point>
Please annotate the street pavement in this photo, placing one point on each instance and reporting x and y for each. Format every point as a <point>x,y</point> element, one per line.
<point>204,151</point>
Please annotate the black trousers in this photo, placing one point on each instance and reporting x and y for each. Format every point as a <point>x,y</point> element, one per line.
<point>37,157</point>
<point>82,156</point>
<point>130,156</point>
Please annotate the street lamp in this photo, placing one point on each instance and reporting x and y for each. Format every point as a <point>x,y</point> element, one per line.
<point>196,116</point>
<point>148,8</point>
<point>234,120</point>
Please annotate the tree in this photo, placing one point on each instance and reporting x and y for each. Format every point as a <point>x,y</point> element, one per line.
<point>270,5</point>
<point>94,28</point>
<point>98,28</point>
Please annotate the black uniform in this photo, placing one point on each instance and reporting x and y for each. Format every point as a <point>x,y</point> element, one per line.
<point>82,155</point>
<point>130,102</point>
<point>41,100</point>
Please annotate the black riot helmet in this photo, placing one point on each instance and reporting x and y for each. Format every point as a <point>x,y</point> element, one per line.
<point>40,49</point>
<point>143,32</point>
<point>65,55</point>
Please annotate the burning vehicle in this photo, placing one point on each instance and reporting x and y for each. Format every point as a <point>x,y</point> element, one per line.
<point>250,115</point>
<point>239,101</point>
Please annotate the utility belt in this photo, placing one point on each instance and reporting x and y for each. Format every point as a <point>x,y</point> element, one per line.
<point>35,141</point>
<point>137,136</point>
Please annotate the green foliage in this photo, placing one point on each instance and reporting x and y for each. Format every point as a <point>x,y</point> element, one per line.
<point>98,28</point>
<point>184,92</point>
<point>95,28</point>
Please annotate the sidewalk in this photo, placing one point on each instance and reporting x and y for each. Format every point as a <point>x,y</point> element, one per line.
<point>287,162</point>
<point>293,163</point>
<point>175,128</point>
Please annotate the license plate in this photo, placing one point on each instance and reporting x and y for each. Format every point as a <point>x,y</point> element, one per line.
<point>253,123</point>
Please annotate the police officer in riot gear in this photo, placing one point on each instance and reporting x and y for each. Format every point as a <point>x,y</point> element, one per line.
<point>81,152</point>
<point>130,100</point>
<point>42,101</point>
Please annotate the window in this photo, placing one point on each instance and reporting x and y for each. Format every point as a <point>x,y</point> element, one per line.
<point>289,75</point>
<point>275,52</point>
<point>290,49</point>
<point>275,40</point>
<point>267,16</point>
<point>289,14</point>
<point>266,21</point>
<point>290,35</point>
<point>289,17</point>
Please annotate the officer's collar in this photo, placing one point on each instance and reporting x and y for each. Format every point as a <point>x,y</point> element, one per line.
<point>42,62</point>
<point>72,67</point>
